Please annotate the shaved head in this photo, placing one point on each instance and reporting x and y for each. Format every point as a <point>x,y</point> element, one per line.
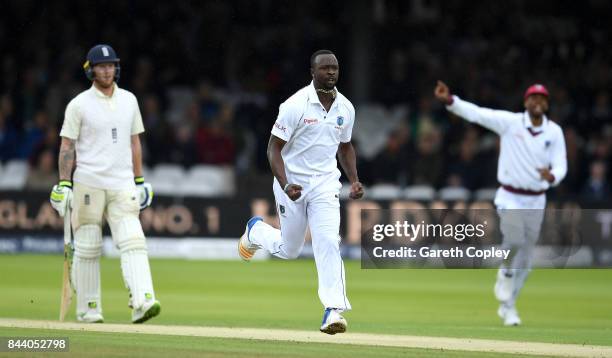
<point>314,56</point>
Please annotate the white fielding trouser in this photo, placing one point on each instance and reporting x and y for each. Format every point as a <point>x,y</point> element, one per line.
<point>521,219</point>
<point>121,209</point>
<point>319,210</point>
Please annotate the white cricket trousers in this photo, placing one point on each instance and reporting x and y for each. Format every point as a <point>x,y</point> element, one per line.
<point>521,219</point>
<point>319,209</point>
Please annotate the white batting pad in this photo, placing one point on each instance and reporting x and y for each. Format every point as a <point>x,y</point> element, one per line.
<point>137,276</point>
<point>128,234</point>
<point>86,268</point>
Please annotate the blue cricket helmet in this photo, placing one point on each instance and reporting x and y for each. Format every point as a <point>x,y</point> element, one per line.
<point>101,54</point>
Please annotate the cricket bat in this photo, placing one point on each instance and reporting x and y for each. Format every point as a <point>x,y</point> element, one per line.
<point>66,286</point>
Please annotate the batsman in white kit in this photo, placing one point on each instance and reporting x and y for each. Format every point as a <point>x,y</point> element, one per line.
<point>532,159</point>
<point>313,126</point>
<point>100,133</point>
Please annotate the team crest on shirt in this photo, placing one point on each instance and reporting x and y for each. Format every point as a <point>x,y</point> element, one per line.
<point>339,122</point>
<point>547,144</point>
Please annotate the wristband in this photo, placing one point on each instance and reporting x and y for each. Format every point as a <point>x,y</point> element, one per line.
<point>66,183</point>
<point>139,180</point>
<point>285,188</point>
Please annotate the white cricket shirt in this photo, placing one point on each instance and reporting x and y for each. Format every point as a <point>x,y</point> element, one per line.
<point>312,134</point>
<point>102,128</point>
<point>524,148</point>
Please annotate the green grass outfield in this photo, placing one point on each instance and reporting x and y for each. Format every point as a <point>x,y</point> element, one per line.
<point>557,306</point>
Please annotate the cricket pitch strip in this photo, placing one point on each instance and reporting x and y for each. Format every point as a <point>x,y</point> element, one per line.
<point>364,339</point>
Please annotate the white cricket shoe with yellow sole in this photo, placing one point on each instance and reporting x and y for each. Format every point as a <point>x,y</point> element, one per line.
<point>246,248</point>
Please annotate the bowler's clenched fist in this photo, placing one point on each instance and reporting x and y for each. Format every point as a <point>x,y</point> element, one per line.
<point>356,190</point>
<point>293,191</point>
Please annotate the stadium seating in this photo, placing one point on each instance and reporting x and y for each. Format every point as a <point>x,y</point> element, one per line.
<point>14,175</point>
<point>485,194</point>
<point>165,178</point>
<point>220,181</point>
<point>454,194</point>
<point>384,192</point>
<point>419,192</point>
<point>209,181</point>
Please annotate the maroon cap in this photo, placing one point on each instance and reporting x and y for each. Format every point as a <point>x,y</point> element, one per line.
<point>536,89</point>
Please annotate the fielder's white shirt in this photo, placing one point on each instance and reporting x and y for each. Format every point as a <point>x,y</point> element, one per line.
<point>524,148</point>
<point>102,127</point>
<point>312,134</point>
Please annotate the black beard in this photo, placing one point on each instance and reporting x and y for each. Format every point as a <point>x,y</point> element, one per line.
<point>328,87</point>
<point>323,84</point>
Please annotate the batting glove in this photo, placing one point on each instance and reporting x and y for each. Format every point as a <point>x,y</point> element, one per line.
<point>145,192</point>
<point>61,196</point>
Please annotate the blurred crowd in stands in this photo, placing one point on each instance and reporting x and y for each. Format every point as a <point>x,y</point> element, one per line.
<point>209,76</point>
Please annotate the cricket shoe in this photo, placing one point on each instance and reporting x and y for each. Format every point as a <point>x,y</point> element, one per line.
<point>509,315</point>
<point>91,316</point>
<point>504,286</point>
<point>246,248</point>
<point>149,309</point>
<point>333,322</point>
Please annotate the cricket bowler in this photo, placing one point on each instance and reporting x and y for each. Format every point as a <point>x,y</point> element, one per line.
<point>100,135</point>
<point>313,126</point>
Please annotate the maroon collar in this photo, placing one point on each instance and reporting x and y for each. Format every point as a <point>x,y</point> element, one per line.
<point>528,125</point>
<point>534,133</point>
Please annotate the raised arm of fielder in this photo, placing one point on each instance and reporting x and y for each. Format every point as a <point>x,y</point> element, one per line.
<point>495,120</point>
